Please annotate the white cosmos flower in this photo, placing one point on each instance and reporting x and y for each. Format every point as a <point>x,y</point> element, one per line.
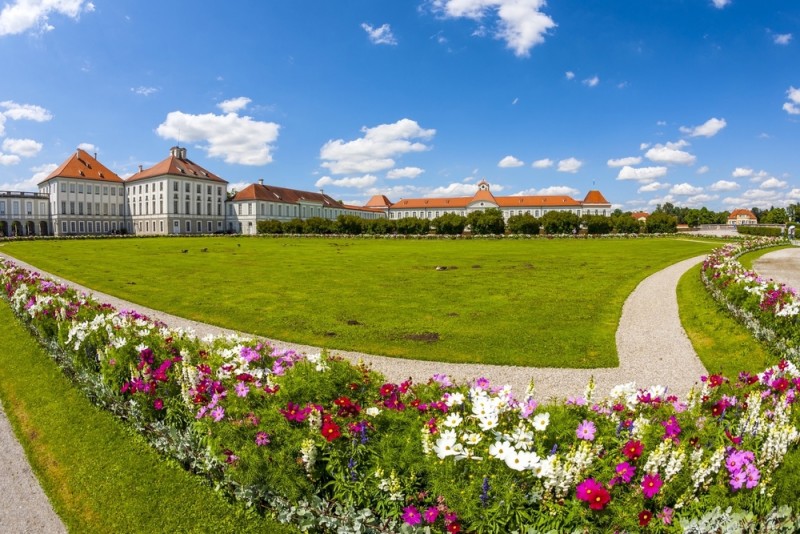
<point>516,460</point>
<point>372,411</point>
<point>488,423</point>
<point>472,438</point>
<point>454,399</point>
<point>540,421</point>
<point>500,449</point>
<point>452,420</point>
<point>445,445</point>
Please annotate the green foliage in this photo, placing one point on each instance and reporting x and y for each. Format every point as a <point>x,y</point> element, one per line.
<point>523,224</point>
<point>294,226</point>
<point>560,222</point>
<point>486,222</point>
<point>379,226</point>
<point>449,224</point>
<point>767,231</point>
<point>661,223</point>
<point>412,226</point>
<point>624,223</point>
<point>269,226</point>
<point>319,226</point>
<point>774,216</point>
<point>350,224</point>
<point>597,224</point>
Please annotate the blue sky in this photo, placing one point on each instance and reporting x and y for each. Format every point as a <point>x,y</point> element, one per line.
<point>694,102</point>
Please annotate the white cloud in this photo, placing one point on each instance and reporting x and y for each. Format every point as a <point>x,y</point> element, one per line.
<point>793,106</point>
<point>29,112</point>
<point>652,187</point>
<point>41,172</point>
<point>703,170</point>
<point>670,153</point>
<point>510,161</point>
<point>8,159</point>
<point>542,163</point>
<point>23,15</point>
<point>724,185</point>
<point>592,82</point>
<point>719,4</point>
<point>569,165</point>
<point>741,172</point>
<point>622,162</point>
<point>396,192</point>
<point>521,23</point>
<point>2,125</point>
<point>144,91</point>
<point>762,198</point>
<point>644,146</point>
<point>88,147</point>
<point>569,75</point>
<point>710,128</point>
<point>641,174</point>
<point>234,105</point>
<point>782,38</point>
<point>550,191</point>
<point>380,35</point>
<point>699,200</point>
<point>376,150</point>
<point>405,172</point>
<point>237,139</point>
<point>359,182</point>
<point>773,183</point>
<point>685,189</point>
<point>661,200</point>
<point>454,190</point>
<point>26,148</point>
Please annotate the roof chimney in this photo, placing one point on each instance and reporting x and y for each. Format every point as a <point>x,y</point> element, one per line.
<point>183,153</point>
<point>260,181</point>
<point>140,168</point>
<point>175,152</point>
<point>95,155</point>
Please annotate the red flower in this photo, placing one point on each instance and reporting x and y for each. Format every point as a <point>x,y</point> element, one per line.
<point>633,449</point>
<point>453,528</point>
<point>600,499</point>
<point>644,517</point>
<point>330,430</point>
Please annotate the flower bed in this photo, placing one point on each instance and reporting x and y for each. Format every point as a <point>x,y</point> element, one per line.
<point>767,307</point>
<point>331,446</point>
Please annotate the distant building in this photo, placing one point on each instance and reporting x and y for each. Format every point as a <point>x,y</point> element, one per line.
<point>742,216</point>
<point>24,213</point>
<point>535,205</point>
<point>259,202</point>
<point>640,216</point>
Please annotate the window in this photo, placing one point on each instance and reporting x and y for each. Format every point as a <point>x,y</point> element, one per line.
<point>80,188</point>
<point>89,209</point>
<point>199,189</point>
<point>97,208</point>
<point>120,192</point>
<point>121,210</point>
<point>188,226</point>
<point>219,191</point>
<point>177,225</point>
<point>249,208</point>
<point>64,190</point>
<point>199,227</point>
<point>114,191</point>
<point>72,209</point>
<point>161,224</point>
<point>188,187</point>
<point>187,208</point>
<point>105,226</point>
<point>81,227</point>
<point>208,190</point>
<point>210,227</point>
<point>208,208</point>
<point>146,188</point>
<point>175,206</point>
<point>71,188</point>
<point>64,227</point>
<point>97,191</point>
<point>239,208</point>
<point>90,226</point>
<point>3,207</point>
<point>175,187</point>
<point>161,187</point>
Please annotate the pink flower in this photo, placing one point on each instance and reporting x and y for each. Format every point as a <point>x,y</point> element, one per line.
<point>625,471</point>
<point>411,516</point>
<point>241,389</point>
<point>651,483</point>
<point>666,515</point>
<point>431,514</point>
<point>586,430</point>
<point>262,438</point>
<point>587,489</point>
<point>158,404</point>
<point>218,414</point>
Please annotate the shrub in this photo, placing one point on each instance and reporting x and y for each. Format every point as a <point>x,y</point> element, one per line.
<point>293,226</point>
<point>486,222</point>
<point>449,224</point>
<point>350,224</point>
<point>560,222</point>
<point>319,225</point>
<point>412,226</point>
<point>625,224</point>
<point>767,231</point>
<point>269,226</point>
<point>597,224</point>
<point>523,224</point>
<point>380,226</point>
<point>661,223</point>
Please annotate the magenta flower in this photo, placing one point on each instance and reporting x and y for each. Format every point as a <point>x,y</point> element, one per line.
<point>651,483</point>
<point>411,516</point>
<point>587,489</point>
<point>158,404</point>
<point>753,476</point>
<point>262,438</point>
<point>431,514</point>
<point>625,471</point>
<point>586,430</point>
<point>738,479</point>
<point>671,427</point>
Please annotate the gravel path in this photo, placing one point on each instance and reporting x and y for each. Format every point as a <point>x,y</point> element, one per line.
<point>651,343</point>
<point>782,265</point>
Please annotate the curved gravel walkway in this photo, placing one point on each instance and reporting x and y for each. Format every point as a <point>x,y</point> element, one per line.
<point>782,265</point>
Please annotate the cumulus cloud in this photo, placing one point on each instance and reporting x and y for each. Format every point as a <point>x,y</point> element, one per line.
<point>741,172</point>
<point>510,161</point>
<point>570,165</point>
<point>569,75</point>
<point>376,150</point>
<point>699,200</point>
<point>550,191</point>
<point>762,198</point>
<point>782,38</point>
<point>380,35</point>
<point>144,91</point>
<point>26,148</point>
<point>359,182</point>
<point>724,185</point>
<point>773,183</point>
<point>792,107</point>
<point>545,163</point>
<point>641,174</point>
<point>234,105</point>
<point>23,15</point>
<point>661,200</point>
<point>405,172</point>
<point>685,189</point>
<point>8,159</point>
<point>670,153</point>
<point>88,147</point>
<point>29,112</point>
<point>454,190</point>
<point>622,162</point>
<point>702,170</point>
<point>236,139</point>
<point>41,172</point>
<point>652,187</point>
<point>710,128</point>
<point>594,81</point>
<point>719,4</point>
<point>521,23</point>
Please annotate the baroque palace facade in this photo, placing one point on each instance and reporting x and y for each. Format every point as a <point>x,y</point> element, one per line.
<point>177,196</point>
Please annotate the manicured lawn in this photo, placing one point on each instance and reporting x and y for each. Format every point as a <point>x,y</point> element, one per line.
<point>544,303</point>
<point>722,343</point>
<point>99,475</point>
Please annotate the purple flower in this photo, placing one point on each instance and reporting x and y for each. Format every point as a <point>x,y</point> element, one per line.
<point>625,471</point>
<point>586,430</point>
<point>442,380</point>
<point>431,514</point>
<point>671,427</point>
<point>666,515</point>
<point>738,479</point>
<point>411,516</point>
<point>241,389</point>
<point>249,355</point>
<point>262,438</point>
<point>753,476</point>
<point>218,414</point>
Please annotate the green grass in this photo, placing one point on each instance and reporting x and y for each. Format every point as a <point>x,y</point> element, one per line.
<point>99,476</point>
<point>723,344</point>
<point>543,303</point>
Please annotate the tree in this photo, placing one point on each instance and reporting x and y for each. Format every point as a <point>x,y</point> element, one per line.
<point>349,224</point>
<point>413,226</point>
<point>269,226</point>
<point>295,226</point>
<point>449,224</point>
<point>597,224</point>
<point>774,216</point>
<point>626,224</point>
<point>523,224</point>
<point>487,222</point>
<point>318,225</point>
<point>661,223</point>
<point>379,226</point>
<point>560,222</point>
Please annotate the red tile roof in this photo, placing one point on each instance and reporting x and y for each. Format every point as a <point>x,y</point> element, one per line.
<point>80,165</point>
<point>595,197</point>
<point>284,194</point>
<point>503,202</point>
<point>378,201</point>
<point>177,164</point>
<point>639,214</point>
<point>747,213</point>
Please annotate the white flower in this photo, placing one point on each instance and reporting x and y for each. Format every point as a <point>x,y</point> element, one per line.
<point>472,438</point>
<point>518,461</point>
<point>452,420</point>
<point>488,423</point>
<point>372,411</point>
<point>454,399</point>
<point>499,449</point>
<point>540,421</point>
<point>445,445</point>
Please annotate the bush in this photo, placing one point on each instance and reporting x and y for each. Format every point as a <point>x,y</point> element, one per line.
<point>626,224</point>
<point>560,222</point>
<point>449,224</point>
<point>413,226</point>
<point>318,225</point>
<point>523,224</point>
<point>269,226</point>
<point>294,226</point>
<point>487,222</point>
<point>597,224</point>
<point>766,231</point>
<point>350,225</point>
<point>661,223</point>
<point>380,226</point>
